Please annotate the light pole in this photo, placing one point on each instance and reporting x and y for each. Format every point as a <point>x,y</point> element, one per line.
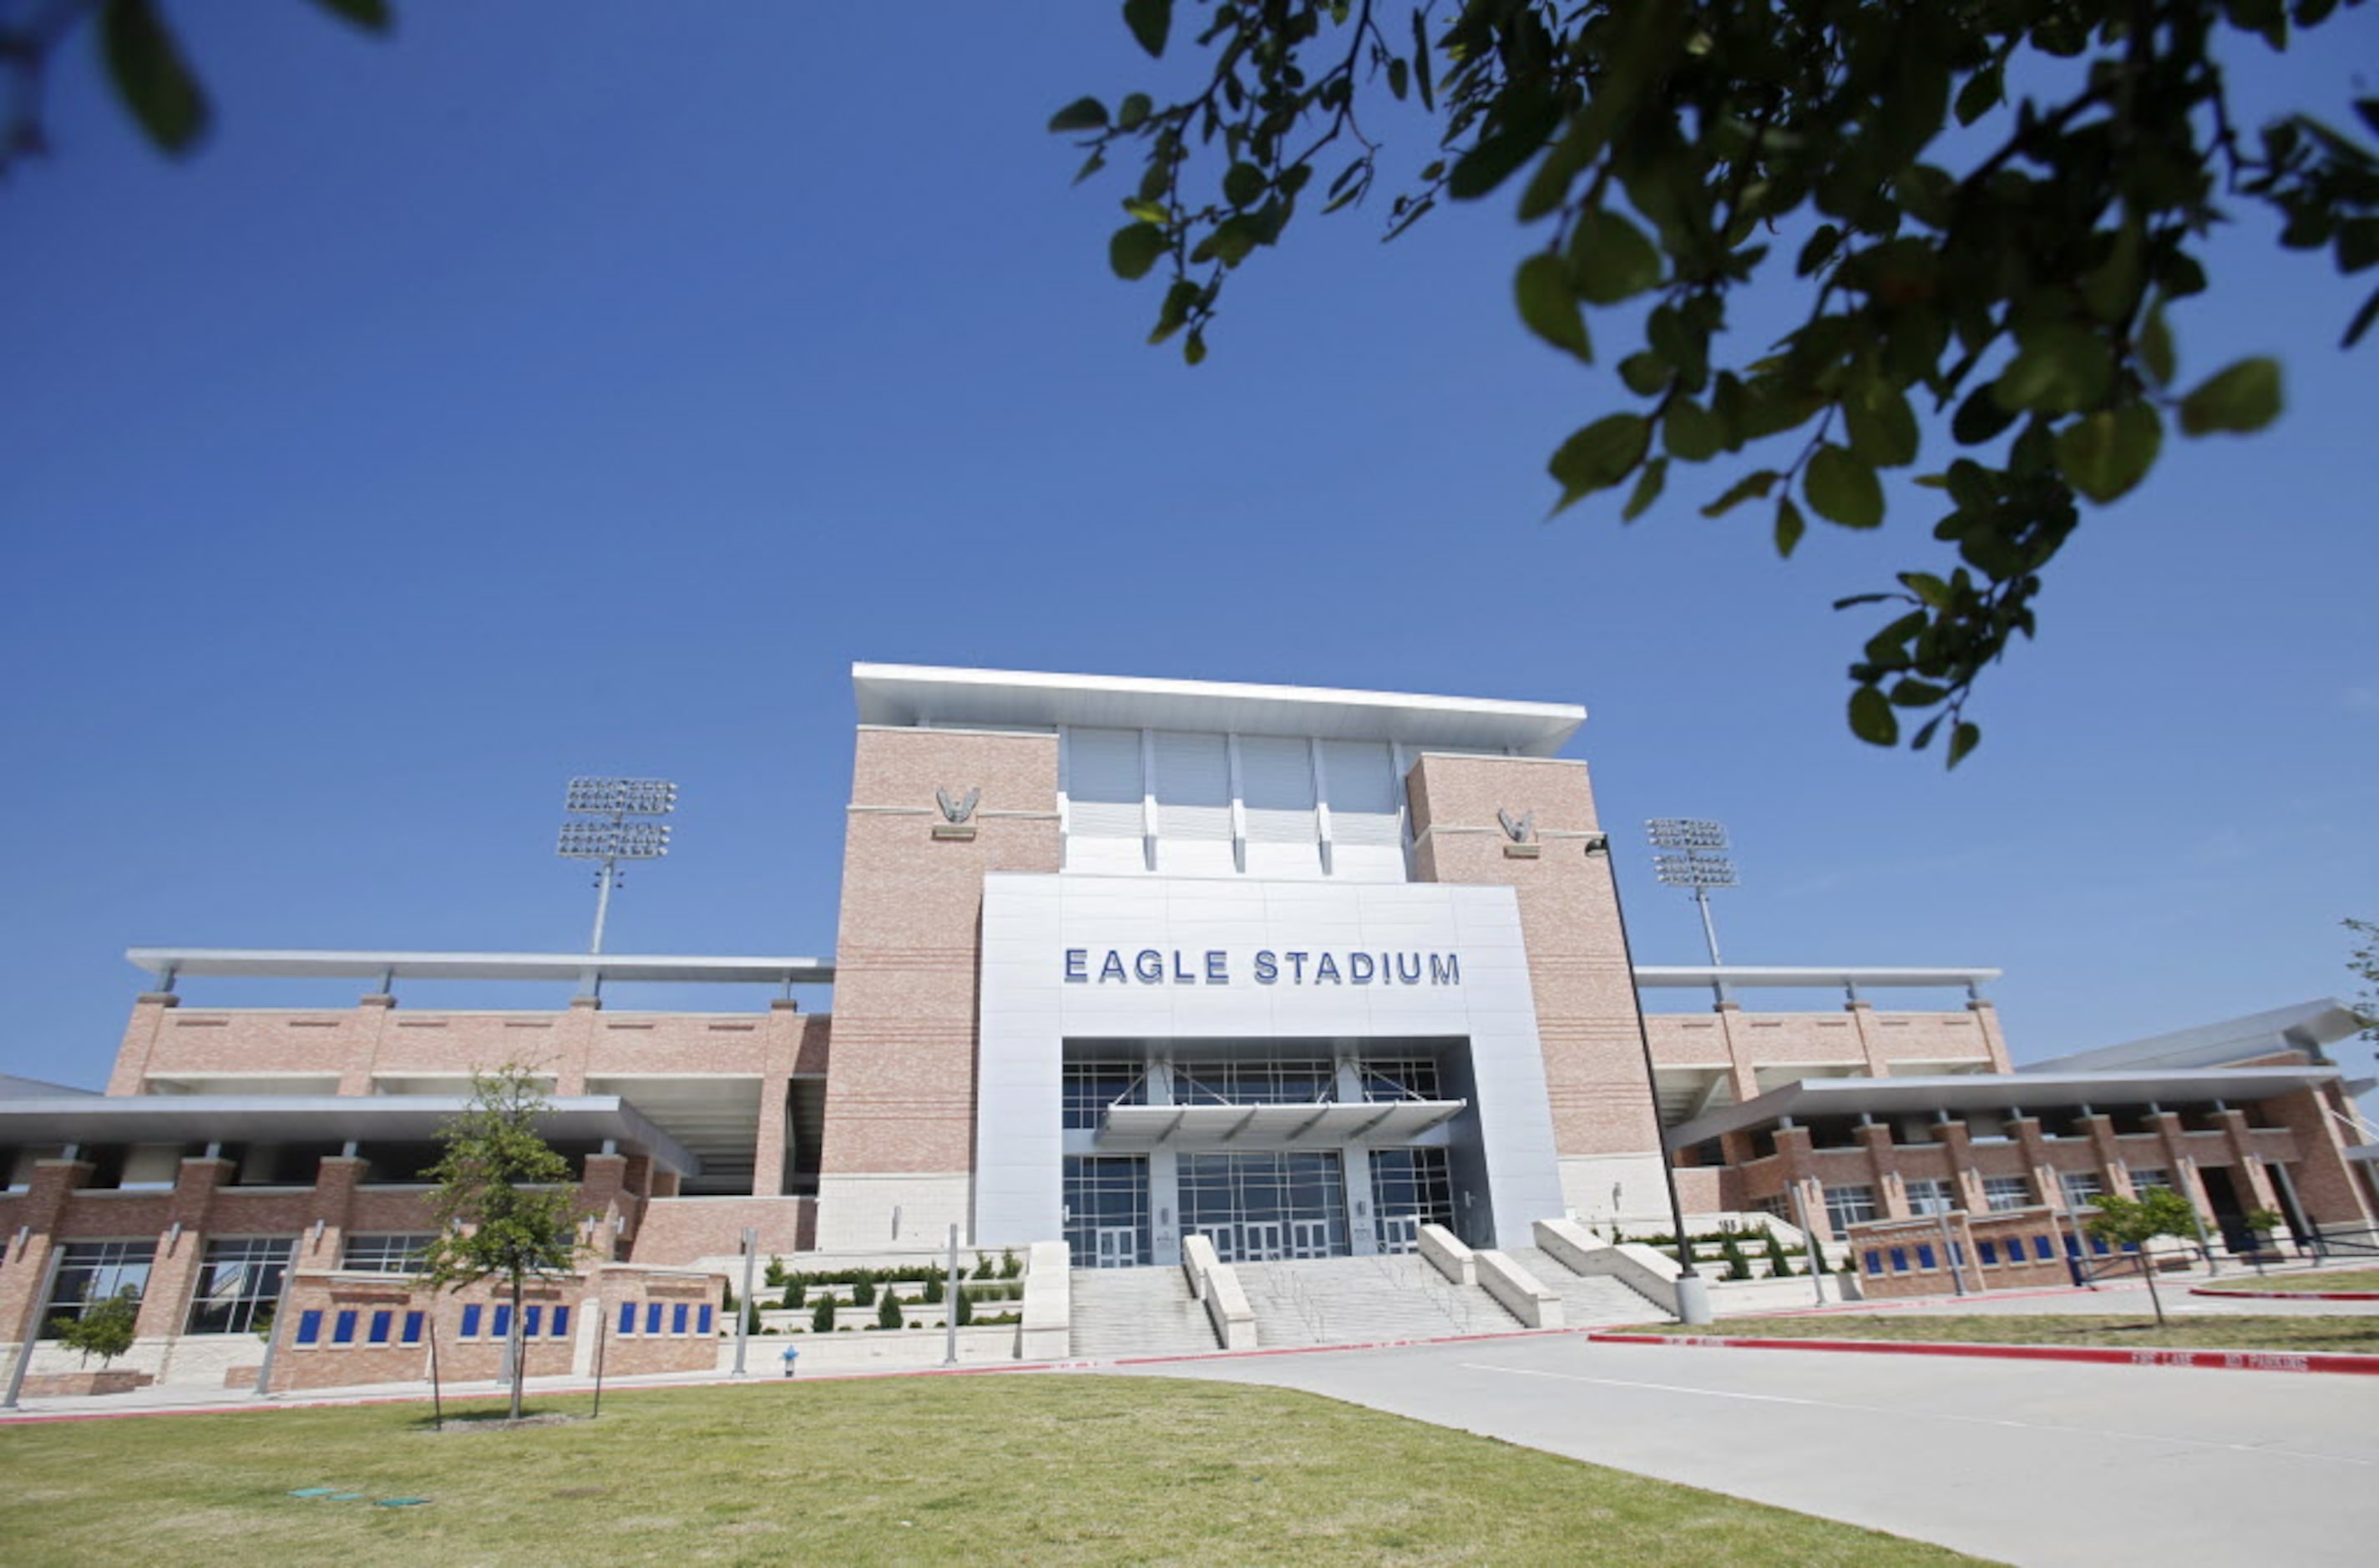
<point>1693,1291</point>
<point>1697,861</point>
<point>606,834</point>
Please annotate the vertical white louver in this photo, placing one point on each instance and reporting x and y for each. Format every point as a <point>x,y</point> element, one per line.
<point>1276,777</point>
<point>1103,784</point>
<point>1362,791</point>
<point>1193,787</point>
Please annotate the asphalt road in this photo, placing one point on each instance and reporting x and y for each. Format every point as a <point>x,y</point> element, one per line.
<point>2019,1462</point>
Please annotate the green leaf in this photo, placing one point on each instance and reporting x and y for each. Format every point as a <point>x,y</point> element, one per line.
<point>1980,418</point>
<point>1648,489</point>
<point>1751,486</point>
<point>1790,526</point>
<point>1872,720</point>
<point>1549,308</point>
<point>2103,455</point>
<point>1599,456</point>
<point>1691,432</point>
<point>1881,426</point>
<point>373,15</point>
<point>149,75</point>
<point>2242,398</point>
<point>1083,113</point>
<point>1421,64</point>
<point>2059,368</point>
<point>1490,163</point>
<point>1611,258</point>
<point>1194,347</point>
<point>2156,347</point>
<point>1842,488</point>
<point>1150,21</point>
<point>1646,375</point>
<point>1135,107</point>
<point>1982,92</point>
<point>1244,185</point>
<point>1963,739</point>
<point>1134,249</point>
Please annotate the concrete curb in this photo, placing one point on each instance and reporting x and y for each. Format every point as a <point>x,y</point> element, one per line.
<point>2288,1295</point>
<point>2208,1360</point>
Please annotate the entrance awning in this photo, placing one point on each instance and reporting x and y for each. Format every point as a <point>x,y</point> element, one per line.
<point>1270,1127</point>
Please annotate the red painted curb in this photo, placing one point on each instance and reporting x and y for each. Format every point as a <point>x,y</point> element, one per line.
<point>2208,1360</point>
<point>2288,1295</point>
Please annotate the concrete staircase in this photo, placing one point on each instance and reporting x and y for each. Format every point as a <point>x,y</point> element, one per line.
<point>1361,1300</point>
<point>1137,1313</point>
<point>1587,1300</point>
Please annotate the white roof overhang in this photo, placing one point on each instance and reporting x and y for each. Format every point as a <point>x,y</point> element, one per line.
<point>1269,1127</point>
<point>905,694</point>
<point>290,963</point>
<point>266,1118</point>
<point>1955,1092</point>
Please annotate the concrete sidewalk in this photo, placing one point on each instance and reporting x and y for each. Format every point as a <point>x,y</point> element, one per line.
<point>2012,1461</point>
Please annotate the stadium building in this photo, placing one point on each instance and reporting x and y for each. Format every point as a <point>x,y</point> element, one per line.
<point>1307,975</point>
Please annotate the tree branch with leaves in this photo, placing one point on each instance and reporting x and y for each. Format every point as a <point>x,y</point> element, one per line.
<point>506,1203</point>
<point>2009,260</point>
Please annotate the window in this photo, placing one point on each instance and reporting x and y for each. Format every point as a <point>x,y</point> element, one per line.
<point>502,1328</point>
<point>1258,1207</point>
<point>343,1328</point>
<point>1107,1209</point>
<point>2000,1193</point>
<point>2081,1186</point>
<point>1900,1260</point>
<point>2041,1248</point>
<point>652,1317</point>
<point>1990,1250</point>
<point>1847,1206</point>
<point>92,1272</point>
<point>1267,1081</point>
<point>1410,1187</point>
<point>1400,1078</point>
<point>702,1322</point>
<point>471,1315</point>
<point>309,1328</point>
<point>238,1281</point>
<point>1929,1196</point>
<point>2143,1179</point>
<point>679,1313</point>
<point>532,1321</point>
<point>1874,1261</point>
<point>381,1322</point>
<point>562,1322</point>
<point>627,1317</point>
<point>413,1328</point>
<point>1925,1255</point>
<point>1090,1087</point>
<point>386,1253</point>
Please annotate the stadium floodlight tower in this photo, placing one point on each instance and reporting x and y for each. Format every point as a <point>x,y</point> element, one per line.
<point>1695,859</point>
<point>610,832</point>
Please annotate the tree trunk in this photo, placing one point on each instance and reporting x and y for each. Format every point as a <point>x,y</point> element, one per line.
<point>517,1342</point>
<point>2147,1267</point>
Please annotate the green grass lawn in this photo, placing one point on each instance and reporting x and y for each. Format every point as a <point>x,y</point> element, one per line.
<point>1041,1470</point>
<point>2359,1335</point>
<point>2334,1279</point>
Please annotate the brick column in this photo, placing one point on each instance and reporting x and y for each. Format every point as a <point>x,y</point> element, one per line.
<point>371,1034</point>
<point>2244,1159</point>
<point>1994,1041</point>
<point>334,1201</point>
<point>1957,1140</point>
<point>165,1305</point>
<point>149,1010</point>
<point>2116,1175</point>
<point>574,1044</point>
<point>2046,1186</point>
<point>1870,1047</point>
<point>1891,1194</point>
<point>41,1207</point>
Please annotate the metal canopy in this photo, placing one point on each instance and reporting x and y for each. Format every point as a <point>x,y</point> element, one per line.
<point>292,963</point>
<point>913,695</point>
<point>288,1118</point>
<point>1269,1127</point>
<point>1954,1093</point>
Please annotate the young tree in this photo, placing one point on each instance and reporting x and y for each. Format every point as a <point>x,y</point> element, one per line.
<point>1989,210</point>
<point>104,1329</point>
<point>504,1204</point>
<point>2135,1221</point>
<point>889,1314</point>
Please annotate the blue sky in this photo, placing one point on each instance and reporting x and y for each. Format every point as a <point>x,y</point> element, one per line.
<point>525,396</point>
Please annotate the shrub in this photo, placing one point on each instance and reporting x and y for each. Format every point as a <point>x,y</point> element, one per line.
<point>1010,1264</point>
<point>1738,1267</point>
<point>822,1319</point>
<point>965,1309</point>
<point>1779,1264</point>
<point>863,1291</point>
<point>889,1315</point>
<point>933,1289</point>
<point>105,1328</point>
<point>776,1273</point>
<point>982,1266</point>
<point>796,1294</point>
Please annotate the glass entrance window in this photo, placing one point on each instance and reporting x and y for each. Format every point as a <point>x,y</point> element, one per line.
<point>239,1280</point>
<point>1400,1078</point>
<point>2007,1193</point>
<point>1849,1205</point>
<point>1090,1087</point>
<point>1932,1197</point>
<point>1257,1207</point>
<point>1266,1081</point>
<point>1410,1187</point>
<point>1106,1211</point>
